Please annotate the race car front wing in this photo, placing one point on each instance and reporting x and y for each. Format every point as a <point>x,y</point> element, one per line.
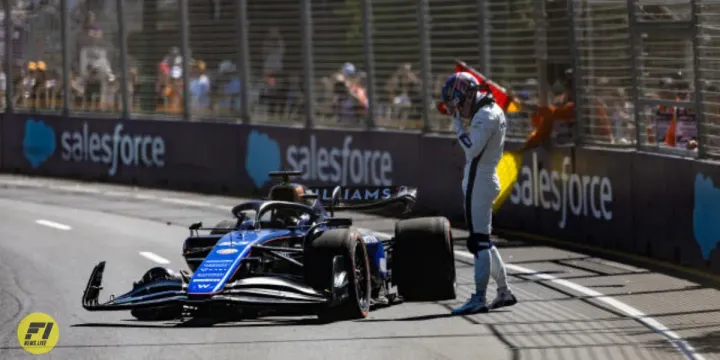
<point>261,291</point>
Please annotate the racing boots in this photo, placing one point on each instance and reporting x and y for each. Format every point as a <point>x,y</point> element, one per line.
<point>475,305</point>
<point>504,298</point>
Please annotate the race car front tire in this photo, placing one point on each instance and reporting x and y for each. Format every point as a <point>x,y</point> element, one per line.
<point>160,313</point>
<point>423,261</point>
<point>319,273</point>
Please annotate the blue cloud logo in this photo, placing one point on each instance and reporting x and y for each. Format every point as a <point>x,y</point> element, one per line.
<point>706,215</point>
<point>38,142</point>
<point>263,156</point>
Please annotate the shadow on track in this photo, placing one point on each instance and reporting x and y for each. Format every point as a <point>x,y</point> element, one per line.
<point>472,335</point>
<point>201,323</point>
<point>424,317</point>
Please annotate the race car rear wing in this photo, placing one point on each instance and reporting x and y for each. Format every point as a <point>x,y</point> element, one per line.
<point>358,198</point>
<point>394,198</point>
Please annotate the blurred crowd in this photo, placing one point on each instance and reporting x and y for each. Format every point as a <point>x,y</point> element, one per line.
<point>276,92</point>
<point>37,67</point>
<point>610,113</point>
<point>340,96</point>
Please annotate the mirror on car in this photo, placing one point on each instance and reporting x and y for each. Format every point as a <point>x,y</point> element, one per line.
<point>336,194</point>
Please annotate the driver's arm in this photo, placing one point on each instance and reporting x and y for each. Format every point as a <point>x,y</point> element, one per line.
<point>483,126</point>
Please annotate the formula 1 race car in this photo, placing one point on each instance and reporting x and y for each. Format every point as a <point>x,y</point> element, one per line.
<point>289,254</point>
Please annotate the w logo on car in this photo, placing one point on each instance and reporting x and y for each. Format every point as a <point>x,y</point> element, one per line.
<point>204,286</point>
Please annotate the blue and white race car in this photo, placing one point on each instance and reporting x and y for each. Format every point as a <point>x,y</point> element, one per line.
<point>289,254</point>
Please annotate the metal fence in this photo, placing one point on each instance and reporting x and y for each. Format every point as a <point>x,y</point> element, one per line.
<point>639,73</point>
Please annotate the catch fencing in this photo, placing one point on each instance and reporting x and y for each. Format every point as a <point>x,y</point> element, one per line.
<point>639,73</point>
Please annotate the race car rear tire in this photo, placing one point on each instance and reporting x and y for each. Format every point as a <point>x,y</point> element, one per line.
<point>223,227</point>
<point>423,261</point>
<point>318,263</point>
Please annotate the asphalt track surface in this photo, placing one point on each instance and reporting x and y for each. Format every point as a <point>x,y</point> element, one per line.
<point>572,306</point>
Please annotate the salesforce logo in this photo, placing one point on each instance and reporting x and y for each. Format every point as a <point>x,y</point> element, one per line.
<point>346,166</point>
<point>564,192</point>
<point>343,166</point>
<point>706,215</point>
<point>113,149</point>
<point>38,142</point>
<point>262,157</point>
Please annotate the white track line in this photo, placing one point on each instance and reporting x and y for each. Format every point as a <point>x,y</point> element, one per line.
<point>111,193</point>
<point>671,336</point>
<point>681,345</point>
<point>156,258</point>
<point>53,224</point>
<point>187,202</point>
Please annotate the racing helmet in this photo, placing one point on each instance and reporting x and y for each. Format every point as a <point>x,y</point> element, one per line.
<point>459,93</point>
<point>290,193</point>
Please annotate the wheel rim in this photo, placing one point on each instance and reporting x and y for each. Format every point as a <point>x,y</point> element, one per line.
<point>361,279</point>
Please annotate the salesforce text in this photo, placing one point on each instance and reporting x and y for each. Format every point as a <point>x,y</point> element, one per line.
<point>340,165</point>
<point>105,148</point>
<point>586,195</point>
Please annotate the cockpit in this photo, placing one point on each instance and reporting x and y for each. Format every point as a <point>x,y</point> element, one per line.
<point>294,193</point>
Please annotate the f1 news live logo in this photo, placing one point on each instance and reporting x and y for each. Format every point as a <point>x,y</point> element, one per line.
<point>38,333</point>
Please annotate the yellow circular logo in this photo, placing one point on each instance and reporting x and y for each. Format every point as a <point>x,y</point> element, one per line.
<point>38,333</point>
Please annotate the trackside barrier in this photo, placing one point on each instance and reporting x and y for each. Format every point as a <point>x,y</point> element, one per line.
<point>663,207</point>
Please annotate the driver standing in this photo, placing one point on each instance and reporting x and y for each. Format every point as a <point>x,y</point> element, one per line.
<point>483,147</point>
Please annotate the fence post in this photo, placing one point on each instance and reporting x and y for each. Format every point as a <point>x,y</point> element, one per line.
<point>308,66</point>
<point>9,32</point>
<point>540,19</point>
<point>697,72</point>
<point>65,32</point>
<point>578,131</point>
<point>635,69</point>
<point>244,60</point>
<point>122,32</point>
<point>367,27</point>
<point>185,49</point>
<point>484,37</point>
<point>425,66</point>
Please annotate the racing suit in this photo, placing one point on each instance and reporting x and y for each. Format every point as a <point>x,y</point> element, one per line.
<point>483,146</point>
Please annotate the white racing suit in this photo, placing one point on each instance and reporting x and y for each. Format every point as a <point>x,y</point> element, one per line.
<point>483,146</point>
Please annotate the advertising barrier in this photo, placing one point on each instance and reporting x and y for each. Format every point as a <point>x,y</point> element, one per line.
<point>146,153</point>
<point>657,206</point>
<point>208,157</point>
<point>328,157</point>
